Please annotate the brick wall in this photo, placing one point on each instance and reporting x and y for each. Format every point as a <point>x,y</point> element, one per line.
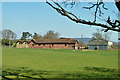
<point>54,46</point>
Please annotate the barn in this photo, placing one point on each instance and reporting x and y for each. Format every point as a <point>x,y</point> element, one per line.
<point>62,43</point>
<point>99,44</point>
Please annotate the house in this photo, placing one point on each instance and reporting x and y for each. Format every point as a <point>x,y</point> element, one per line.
<point>62,43</point>
<point>22,44</point>
<point>19,44</point>
<point>100,44</point>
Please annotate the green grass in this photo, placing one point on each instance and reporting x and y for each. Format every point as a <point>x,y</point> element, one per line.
<point>52,63</point>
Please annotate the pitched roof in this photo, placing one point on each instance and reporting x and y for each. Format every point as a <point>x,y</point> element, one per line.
<point>64,40</point>
<point>22,41</point>
<point>98,42</point>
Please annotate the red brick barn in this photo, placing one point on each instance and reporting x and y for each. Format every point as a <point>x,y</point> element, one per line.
<point>64,43</point>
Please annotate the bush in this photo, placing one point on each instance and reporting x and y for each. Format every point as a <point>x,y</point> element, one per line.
<point>6,42</point>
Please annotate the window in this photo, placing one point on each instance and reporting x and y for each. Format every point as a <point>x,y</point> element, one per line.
<point>32,44</point>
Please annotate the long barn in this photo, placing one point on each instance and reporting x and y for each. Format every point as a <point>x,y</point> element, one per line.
<point>62,43</point>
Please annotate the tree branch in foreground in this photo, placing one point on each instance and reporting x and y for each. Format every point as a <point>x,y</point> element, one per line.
<point>74,18</point>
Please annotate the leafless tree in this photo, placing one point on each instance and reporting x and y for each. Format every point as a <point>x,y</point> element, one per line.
<point>8,34</point>
<point>99,5</point>
<point>101,35</point>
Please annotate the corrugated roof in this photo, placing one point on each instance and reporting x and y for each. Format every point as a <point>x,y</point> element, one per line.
<point>98,42</point>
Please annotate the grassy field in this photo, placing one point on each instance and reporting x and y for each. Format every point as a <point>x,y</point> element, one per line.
<point>60,63</point>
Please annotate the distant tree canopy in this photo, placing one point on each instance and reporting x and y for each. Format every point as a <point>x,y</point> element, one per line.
<point>101,35</point>
<point>8,34</point>
<point>99,9</point>
<point>8,37</point>
<point>35,36</point>
<point>26,35</point>
<point>7,42</point>
<point>51,35</point>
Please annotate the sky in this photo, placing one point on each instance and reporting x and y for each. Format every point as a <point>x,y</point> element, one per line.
<point>39,17</point>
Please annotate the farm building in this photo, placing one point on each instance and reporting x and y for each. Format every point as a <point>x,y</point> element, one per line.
<point>65,43</point>
<point>62,43</point>
<point>99,44</point>
<point>22,44</point>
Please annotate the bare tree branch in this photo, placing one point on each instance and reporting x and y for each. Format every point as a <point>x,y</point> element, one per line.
<point>98,8</point>
<point>114,26</point>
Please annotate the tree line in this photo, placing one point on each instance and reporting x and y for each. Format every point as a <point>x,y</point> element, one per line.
<point>9,37</point>
<point>49,35</point>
